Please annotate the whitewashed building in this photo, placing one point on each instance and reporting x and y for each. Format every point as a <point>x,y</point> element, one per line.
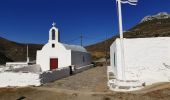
<point>57,55</point>
<point>147,61</point>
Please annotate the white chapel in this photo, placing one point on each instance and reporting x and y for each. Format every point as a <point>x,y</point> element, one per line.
<point>56,55</point>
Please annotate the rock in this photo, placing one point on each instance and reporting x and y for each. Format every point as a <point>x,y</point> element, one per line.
<point>161,15</point>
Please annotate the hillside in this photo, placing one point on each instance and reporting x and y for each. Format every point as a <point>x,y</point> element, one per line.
<point>151,28</point>
<point>4,59</point>
<point>12,51</point>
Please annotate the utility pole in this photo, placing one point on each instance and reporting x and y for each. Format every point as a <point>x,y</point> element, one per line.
<point>81,39</point>
<point>27,54</point>
<point>106,49</point>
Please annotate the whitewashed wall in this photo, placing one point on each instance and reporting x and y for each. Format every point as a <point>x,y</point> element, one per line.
<point>65,57</point>
<point>47,52</point>
<point>150,54</point>
<point>147,52</point>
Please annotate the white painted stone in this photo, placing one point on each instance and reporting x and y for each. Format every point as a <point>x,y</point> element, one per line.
<point>18,79</point>
<point>146,59</point>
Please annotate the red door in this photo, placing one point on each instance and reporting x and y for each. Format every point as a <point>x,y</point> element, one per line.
<point>53,63</point>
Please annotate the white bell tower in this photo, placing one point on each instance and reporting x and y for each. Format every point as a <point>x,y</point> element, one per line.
<point>54,34</point>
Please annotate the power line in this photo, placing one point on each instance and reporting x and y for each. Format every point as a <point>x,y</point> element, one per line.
<point>82,38</point>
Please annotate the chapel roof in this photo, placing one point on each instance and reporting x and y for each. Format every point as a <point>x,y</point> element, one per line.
<point>75,48</point>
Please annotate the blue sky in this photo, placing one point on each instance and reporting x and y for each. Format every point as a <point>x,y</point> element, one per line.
<point>28,21</point>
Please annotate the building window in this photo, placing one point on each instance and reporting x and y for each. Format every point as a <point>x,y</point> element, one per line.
<point>114,59</point>
<point>53,45</point>
<point>53,34</point>
<point>83,59</point>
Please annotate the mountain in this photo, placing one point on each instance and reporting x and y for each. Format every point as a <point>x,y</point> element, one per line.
<point>12,51</point>
<point>157,27</point>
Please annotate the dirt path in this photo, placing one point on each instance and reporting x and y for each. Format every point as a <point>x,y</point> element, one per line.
<point>43,93</point>
<point>92,80</point>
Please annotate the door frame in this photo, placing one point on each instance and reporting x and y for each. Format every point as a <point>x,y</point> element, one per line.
<point>50,62</point>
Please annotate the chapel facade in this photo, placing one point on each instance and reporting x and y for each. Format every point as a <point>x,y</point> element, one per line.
<point>56,55</point>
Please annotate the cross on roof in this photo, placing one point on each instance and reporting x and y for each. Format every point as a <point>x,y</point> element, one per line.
<point>54,24</point>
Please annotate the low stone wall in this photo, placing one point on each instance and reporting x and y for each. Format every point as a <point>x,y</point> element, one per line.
<point>13,79</point>
<point>50,76</point>
<point>20,79</point>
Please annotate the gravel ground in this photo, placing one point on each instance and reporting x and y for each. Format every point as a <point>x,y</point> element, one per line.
<point>92,80</point>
